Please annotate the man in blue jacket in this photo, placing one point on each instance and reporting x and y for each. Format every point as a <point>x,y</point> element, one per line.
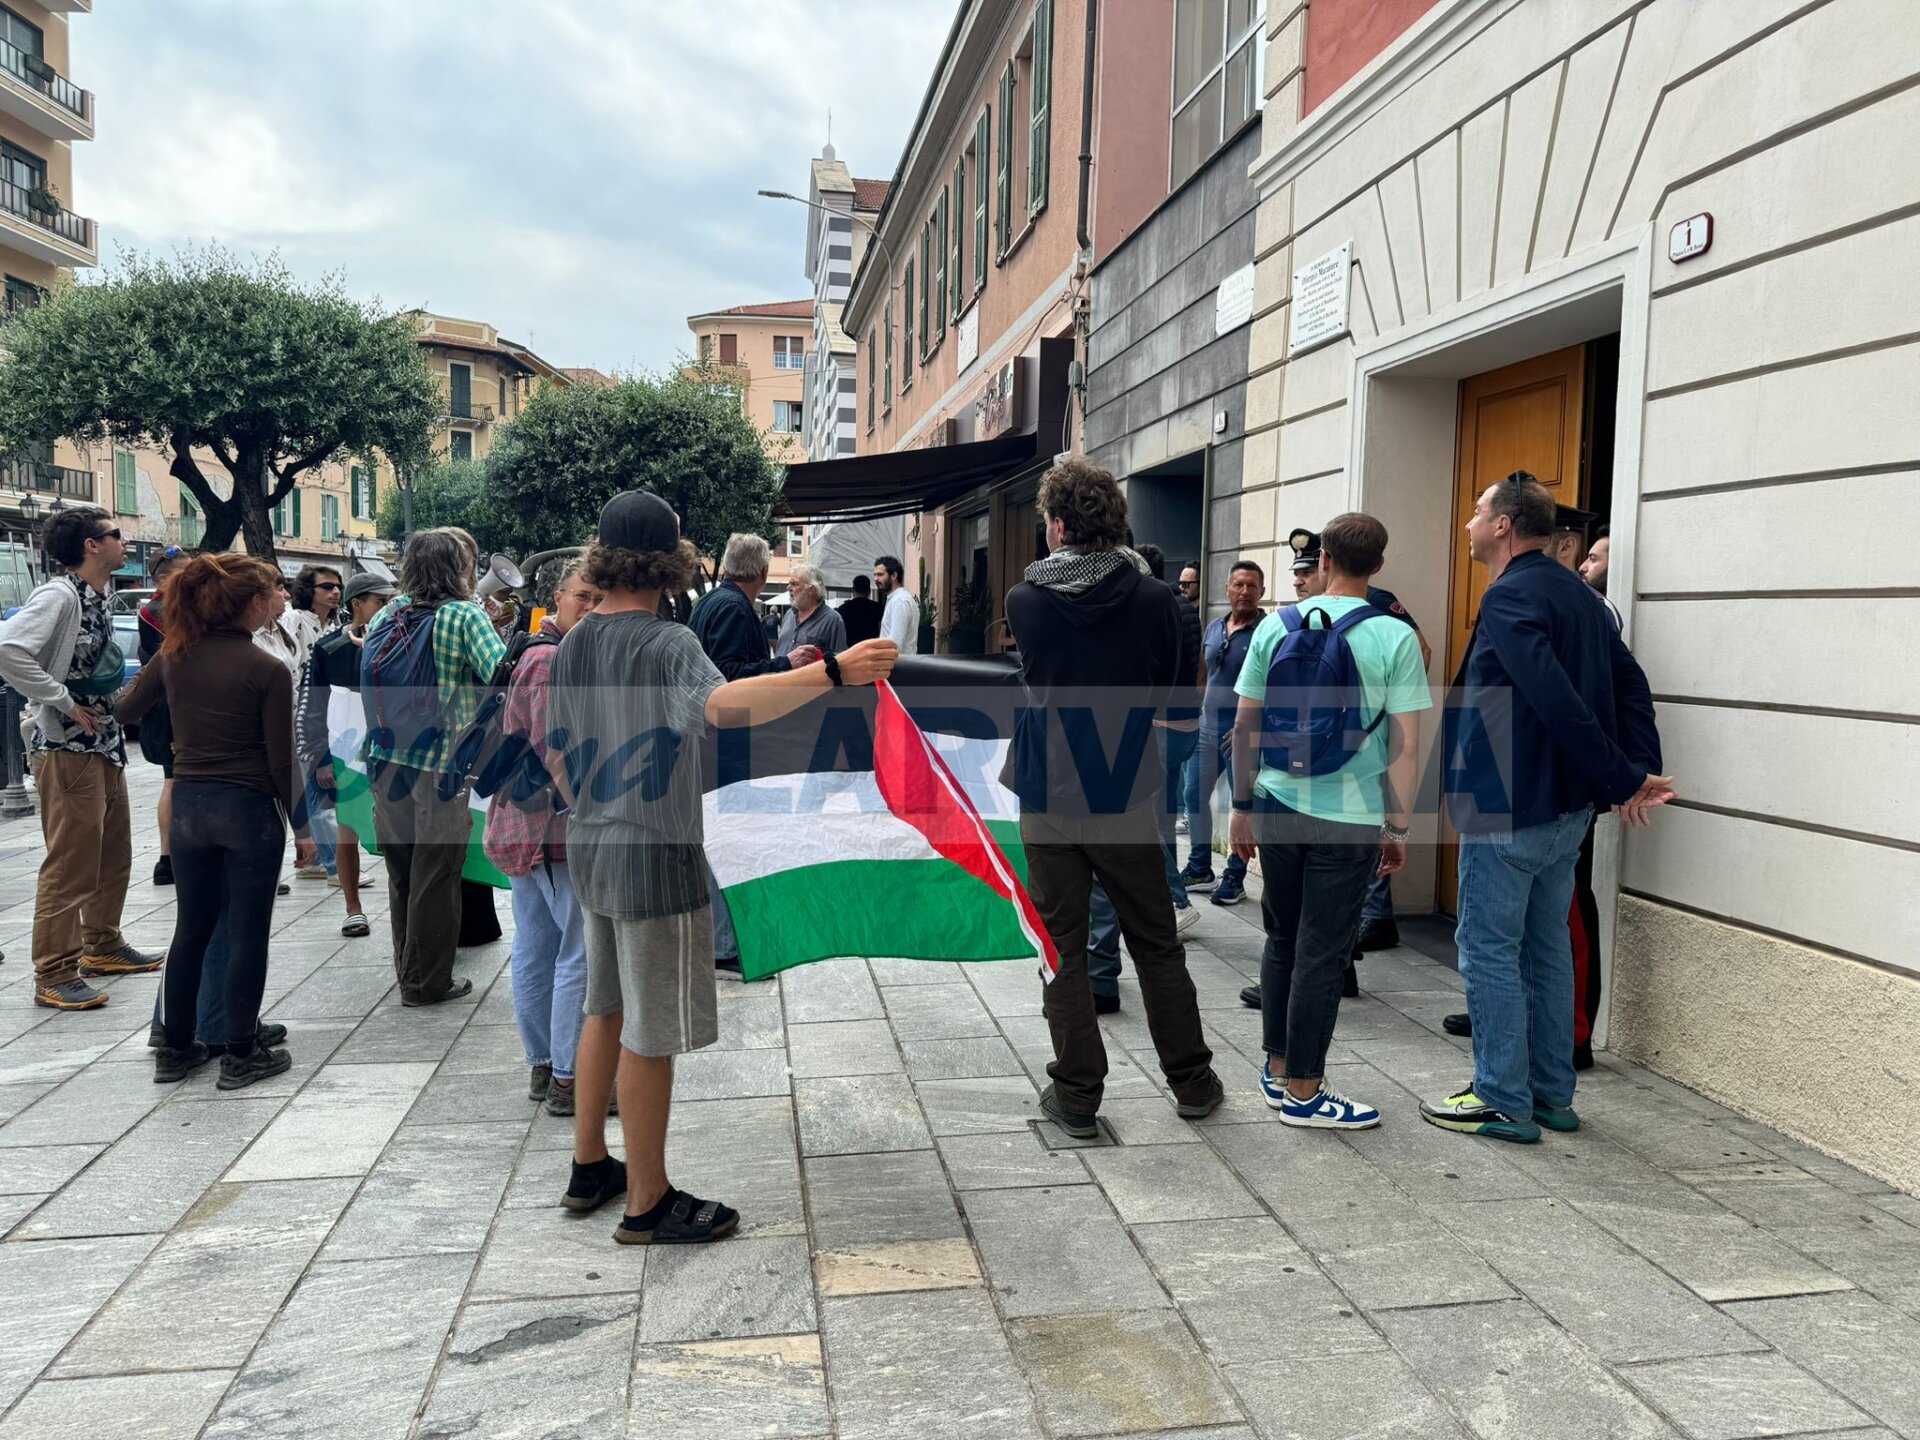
<point>1550,716</point>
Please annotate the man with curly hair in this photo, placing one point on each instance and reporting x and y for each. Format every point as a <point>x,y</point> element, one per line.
<point>1099,642</point>
<point>632,697</point>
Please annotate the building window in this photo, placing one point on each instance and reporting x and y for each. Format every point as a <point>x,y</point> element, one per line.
<point>789,352</point>
<point>886,382</point>
<point>503,397</point>
<point>927,289</point>
<point>461,446</point>
<point>906,331</point>
<point>22,295</point>
<point>729,349</point>
<point>360,492</point>
<point>126,483</point>
<point>982,163</point>
<point>192,527</point>
<point>286,515</point>
<point>937,281</point>
<point>1216,77</point>
<point>786,416</point>
<point>873,376</point>
<point>1039,107</point>
<point>1003,177</point>
<point>796,542</point>
<point>957,268</point>
<point>706,349</point>
<point>329,517</point>
<point>460,391</point>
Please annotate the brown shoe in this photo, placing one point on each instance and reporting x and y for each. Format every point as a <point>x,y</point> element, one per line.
<point>124,961</point>
<point>72,995</point>
<point>1204,1103</point>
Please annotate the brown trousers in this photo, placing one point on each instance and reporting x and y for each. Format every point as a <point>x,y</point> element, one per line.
<point>1064,857</point>
<point>83,880</point>
<point>423,840</point>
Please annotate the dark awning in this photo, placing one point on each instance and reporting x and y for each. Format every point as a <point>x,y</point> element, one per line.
<point>900,482</point>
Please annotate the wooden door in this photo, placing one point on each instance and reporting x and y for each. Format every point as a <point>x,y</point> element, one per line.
<point>1523,417</point>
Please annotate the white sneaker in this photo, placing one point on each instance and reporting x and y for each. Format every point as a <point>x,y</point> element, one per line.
<point>1180,826</point>
<point>1185,918</point>
<point>1326,1110</point>
<point>310,872</point>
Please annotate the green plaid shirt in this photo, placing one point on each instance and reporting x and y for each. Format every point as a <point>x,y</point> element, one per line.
<point>466,652</point>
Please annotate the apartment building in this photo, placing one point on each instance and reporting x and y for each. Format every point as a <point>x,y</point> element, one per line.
<point>44,113</point>
<point>1659,253</point>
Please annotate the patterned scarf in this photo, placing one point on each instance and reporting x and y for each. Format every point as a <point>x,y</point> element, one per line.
<point>1074,569</point>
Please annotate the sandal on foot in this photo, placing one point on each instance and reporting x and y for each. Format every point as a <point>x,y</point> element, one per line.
<point>356,926</point>
<point>679,1219</point>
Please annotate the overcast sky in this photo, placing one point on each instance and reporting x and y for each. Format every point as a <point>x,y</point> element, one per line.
<point>580,173</point>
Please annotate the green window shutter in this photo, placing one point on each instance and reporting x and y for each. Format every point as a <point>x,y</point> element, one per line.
<point>873,368</point>
<point>1003,184</point>
<point>371,480</point>
<point>940,290</point>
<point>295,499</point>
<point>956,280</point>
<point>126,483</point>
<point>926,285</point>
<point>1040,133</point>
<point>906,331</point>
<point>982,163</point>
<point>886,383</point>
<point>356,482</point>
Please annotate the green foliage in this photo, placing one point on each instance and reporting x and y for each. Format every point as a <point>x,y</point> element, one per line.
<point>454,493</point>
<point>570,450</point>
<point>235,359</point>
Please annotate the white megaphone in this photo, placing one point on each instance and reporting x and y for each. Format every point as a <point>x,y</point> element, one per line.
<point>502,574</point>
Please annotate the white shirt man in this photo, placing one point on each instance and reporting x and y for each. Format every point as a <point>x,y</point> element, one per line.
<point>900,619</point>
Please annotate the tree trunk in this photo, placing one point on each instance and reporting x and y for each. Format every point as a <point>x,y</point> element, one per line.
<point>256,523</point>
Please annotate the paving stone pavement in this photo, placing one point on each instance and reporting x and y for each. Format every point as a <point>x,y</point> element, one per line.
<point>370,1246</point>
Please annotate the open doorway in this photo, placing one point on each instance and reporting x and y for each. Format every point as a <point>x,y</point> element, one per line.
<point>1166,506</point>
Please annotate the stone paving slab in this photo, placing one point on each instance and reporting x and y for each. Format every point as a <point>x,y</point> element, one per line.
<point>370,1245</point>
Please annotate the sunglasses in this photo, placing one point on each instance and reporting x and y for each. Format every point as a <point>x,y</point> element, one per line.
<point>326,585</point>
<point>113,534</point>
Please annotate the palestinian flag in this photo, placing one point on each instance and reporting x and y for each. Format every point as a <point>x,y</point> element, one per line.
<point>873,823</point>
<point>346,730</point>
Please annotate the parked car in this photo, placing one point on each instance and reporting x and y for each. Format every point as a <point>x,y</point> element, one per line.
<point>126,634</point>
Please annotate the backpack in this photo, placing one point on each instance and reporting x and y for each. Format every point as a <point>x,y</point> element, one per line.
<point>399,688</point>
<point>499,760</point>
<point>1312,722</point>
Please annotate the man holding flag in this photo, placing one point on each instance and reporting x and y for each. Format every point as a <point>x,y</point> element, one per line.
<point>1099,646</point>
<point>632,695</point>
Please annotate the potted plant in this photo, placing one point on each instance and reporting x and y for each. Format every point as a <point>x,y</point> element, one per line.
<point>929,613</point>
<point>44,199</point>
<point>972,612</point>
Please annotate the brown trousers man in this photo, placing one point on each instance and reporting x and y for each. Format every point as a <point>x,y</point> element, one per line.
<point>424,840</point>
<point>83,880</point>
<point>1064,857</point>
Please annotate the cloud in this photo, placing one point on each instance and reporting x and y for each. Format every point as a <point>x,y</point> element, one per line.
<point>580,173</point>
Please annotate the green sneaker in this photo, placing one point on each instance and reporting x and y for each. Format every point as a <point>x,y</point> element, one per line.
<point>1557,1117</point>
<point>1470,1115</point>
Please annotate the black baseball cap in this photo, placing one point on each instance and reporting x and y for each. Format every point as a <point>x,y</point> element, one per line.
<point>639,520</point>
<point>1306,549</point>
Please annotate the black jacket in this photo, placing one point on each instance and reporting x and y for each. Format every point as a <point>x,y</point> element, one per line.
<point>333,661</point>
<point>1097,668</point>
<point>730,633</point>
<point>862,619</point>
<point>1550,712</point>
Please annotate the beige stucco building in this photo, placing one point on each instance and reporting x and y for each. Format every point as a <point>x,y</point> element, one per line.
<point>1661,254</point>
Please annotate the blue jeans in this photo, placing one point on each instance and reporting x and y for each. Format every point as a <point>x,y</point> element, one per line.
<point>1176,749</point>
<point>323,826</point>
<point>549,966</point>
<point>1103,943</point>
<point>1517,958</point>
<point>726,944</point>
<point>1212,763</point>
<point>1379,902</point>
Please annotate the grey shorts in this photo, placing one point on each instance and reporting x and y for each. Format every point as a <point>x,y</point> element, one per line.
<point>658,976</point>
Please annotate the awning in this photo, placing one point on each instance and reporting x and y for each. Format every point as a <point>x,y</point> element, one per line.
<point>900,482</point>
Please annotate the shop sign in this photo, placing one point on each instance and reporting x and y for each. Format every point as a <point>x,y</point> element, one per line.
<point>997,411</point>
<point>1320,293</point>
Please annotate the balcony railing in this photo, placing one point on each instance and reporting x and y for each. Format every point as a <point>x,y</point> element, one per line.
<point>36,74</point>
<point>45,478</point>
<point>474,412</point>
<point>25,204</point>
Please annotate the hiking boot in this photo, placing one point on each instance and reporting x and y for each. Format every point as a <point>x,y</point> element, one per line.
<point>171,1066</point>
<point>163,870</point>
<point>1081,1125</point>
<point>73,995</point>
<point>1230,891</point>
<point>1467,1113</point>
<point>1461,1025</point>
<point>124,961</point>
<point>239,1071</point>
<point>560,1098</point>
<point>1379,935</point>
<point>538,1081</point>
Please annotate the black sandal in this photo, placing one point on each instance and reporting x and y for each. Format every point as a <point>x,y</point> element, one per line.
<point>688,1220</point>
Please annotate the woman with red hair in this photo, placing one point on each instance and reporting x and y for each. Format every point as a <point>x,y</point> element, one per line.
<point>236,787</point>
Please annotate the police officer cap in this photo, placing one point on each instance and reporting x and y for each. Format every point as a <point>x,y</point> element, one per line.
<point>1306,549</point>
<point>1568,519</point>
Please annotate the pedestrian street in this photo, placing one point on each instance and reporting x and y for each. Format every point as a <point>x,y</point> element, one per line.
<point>370,1245</point>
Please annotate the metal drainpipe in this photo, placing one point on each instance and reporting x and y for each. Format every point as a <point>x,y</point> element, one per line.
<point>1086,126</point>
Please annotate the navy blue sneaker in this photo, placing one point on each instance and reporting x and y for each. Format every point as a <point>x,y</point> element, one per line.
<point>1231,890</point>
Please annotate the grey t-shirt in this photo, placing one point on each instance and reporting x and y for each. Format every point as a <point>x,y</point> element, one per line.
<point>823,627</point>
<point>628,711</point>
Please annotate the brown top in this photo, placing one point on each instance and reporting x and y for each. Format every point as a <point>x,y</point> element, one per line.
<point>232,707</point>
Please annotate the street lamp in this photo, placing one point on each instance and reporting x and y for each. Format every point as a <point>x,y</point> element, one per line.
<point>816,205</point>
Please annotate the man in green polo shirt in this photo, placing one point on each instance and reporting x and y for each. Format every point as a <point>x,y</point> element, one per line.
<point>1323,838</point>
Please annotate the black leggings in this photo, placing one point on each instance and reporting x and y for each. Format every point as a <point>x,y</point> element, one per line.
<point>228,842</point>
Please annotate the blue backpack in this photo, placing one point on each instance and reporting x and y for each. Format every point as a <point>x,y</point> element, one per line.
<point>1313,720</point>
<point>399,689</point>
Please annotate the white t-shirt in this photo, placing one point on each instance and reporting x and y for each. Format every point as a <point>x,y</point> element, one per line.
<point>900,622</point>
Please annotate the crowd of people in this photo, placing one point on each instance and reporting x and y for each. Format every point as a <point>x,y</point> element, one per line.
<point>1307,715</point>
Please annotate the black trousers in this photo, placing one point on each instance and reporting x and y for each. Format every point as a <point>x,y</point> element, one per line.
<point>1064,857</point>
<point>228,842</point>
<point>1315,875</point>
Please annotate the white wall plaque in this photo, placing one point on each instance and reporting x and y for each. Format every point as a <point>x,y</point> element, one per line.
<point>1692,236</point>
<point>1233,301</point>
<point>1320,301</point>
<point>969,336</point>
